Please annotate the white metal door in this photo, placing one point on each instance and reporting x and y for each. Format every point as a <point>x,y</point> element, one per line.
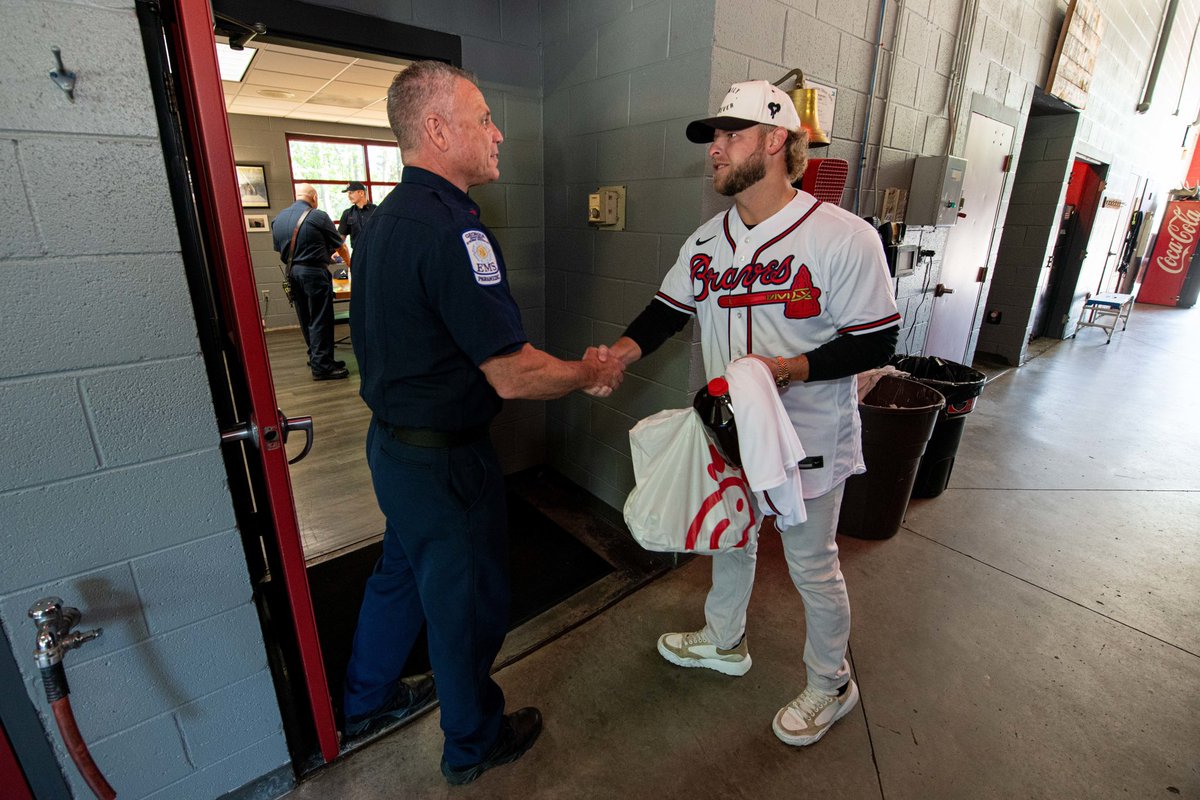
<point>989,143</point>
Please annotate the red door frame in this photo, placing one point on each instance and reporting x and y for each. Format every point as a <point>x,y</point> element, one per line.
<point>229,249</point>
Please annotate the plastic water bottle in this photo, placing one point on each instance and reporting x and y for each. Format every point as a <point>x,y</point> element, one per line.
<point>716,412</point>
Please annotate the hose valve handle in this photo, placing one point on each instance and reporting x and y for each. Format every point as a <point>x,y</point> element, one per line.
<point>55,637</point>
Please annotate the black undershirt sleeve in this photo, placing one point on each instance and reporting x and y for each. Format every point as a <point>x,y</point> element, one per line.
<point>846,355</point>
<point>849,354</point>
<point>657,323</point>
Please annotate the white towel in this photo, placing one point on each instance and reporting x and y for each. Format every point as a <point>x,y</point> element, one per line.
<point>771,450</point>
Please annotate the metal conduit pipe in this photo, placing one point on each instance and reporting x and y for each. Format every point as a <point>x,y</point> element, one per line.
<point>1163,39</point>
<point>1187,69</point>
<point>967,35</point>
<point>862,155</point>
<point>887,97</point>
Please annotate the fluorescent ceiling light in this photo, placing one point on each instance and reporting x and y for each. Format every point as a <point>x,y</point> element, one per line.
<point>233,63</point>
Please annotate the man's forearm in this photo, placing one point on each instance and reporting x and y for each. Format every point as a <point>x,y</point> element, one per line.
<point>531,374</point>
<point>344,252</point>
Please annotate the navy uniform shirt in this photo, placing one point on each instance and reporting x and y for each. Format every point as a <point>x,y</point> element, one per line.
<point>316,240</point>
<point>352,222</point>
<point>430,304</point>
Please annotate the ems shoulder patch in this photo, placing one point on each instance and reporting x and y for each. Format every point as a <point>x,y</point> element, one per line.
<point>483,258</point>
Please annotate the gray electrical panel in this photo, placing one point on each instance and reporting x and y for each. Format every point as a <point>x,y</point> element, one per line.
<point>936,190</point>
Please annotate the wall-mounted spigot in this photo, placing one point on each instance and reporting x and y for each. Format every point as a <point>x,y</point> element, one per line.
<point>55,637</point>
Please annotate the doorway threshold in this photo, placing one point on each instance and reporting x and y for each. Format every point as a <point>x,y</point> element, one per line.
<point>592,524</point>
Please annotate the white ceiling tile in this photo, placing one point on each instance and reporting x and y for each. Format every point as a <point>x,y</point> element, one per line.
<point>296,51</point>
<point>348,95</point>
<point>298,65</point>
<point>369,75</point>
<point>283,80</point>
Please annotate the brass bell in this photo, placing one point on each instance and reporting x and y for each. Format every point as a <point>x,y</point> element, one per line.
<point>805,101</point>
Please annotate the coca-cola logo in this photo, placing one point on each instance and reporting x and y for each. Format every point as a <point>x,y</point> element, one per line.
<point>1181,233</point>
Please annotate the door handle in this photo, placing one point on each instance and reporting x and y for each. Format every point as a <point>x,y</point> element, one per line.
<point>271,437</point>
<point>289,424</point>
<point>941,289</point>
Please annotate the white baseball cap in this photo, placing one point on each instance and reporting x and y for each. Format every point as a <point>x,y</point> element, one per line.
<point>747,103</point>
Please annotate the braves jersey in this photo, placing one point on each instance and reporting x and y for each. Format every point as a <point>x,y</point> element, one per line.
<point>810,273</point>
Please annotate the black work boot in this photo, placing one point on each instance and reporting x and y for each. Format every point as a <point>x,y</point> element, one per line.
<point>411,696</point>
<point>518,731</point>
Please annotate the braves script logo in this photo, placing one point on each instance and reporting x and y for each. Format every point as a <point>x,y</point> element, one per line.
<point>1181,232</point>
<point>801,300</point>
<point>733,483</point>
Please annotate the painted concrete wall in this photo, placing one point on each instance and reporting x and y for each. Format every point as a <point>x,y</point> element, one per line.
<point>112,491</point>
<point>621,81</point>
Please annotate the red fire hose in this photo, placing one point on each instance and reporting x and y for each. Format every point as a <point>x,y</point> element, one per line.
<point>65,717</point>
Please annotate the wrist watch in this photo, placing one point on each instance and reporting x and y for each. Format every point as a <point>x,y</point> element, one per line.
<point>783,375</point>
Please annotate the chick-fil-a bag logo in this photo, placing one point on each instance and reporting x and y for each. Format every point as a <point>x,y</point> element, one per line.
<point>733,483</point>
<point>1181,233</point>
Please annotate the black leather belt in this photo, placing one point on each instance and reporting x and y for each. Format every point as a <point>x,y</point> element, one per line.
<point>428,437</point>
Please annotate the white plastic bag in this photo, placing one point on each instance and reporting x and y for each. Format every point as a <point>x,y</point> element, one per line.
<point>688,499</point>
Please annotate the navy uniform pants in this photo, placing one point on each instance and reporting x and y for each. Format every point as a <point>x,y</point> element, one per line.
<point>312,294</point>
<point>445,565</point>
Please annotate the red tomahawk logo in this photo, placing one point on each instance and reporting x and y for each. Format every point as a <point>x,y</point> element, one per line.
<point>801,301</point>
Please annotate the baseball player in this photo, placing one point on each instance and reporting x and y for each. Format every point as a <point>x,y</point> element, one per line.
<point>802,285</point>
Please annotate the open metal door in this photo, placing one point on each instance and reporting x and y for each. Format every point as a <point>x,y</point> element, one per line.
<point>969,245</point>
<point>256,433</point>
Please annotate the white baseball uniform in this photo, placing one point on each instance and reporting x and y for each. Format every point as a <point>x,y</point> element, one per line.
<point>786,286</point>
<point>789,285</point>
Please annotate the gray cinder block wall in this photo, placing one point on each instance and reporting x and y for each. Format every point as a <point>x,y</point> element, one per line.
<point>621,81</point>
<point>112,490</point>
<point>1029,235</point>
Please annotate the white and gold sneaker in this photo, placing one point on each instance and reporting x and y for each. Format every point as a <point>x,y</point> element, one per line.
<point>805,719</point>
<point>694,650</point>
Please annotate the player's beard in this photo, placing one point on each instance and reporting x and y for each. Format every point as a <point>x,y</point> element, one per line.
<point>740,178</point>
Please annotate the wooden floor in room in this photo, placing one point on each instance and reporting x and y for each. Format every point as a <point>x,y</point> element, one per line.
<point>332,485</point>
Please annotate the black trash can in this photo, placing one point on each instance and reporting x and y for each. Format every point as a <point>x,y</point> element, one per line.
<point>960,385</point>
<point>897,417</point>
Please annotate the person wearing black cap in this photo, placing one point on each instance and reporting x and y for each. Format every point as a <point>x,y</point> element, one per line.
<point>801,285</point>
<point>355,217</point>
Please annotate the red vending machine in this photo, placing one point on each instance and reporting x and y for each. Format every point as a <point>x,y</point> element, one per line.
<point>1172,257</point>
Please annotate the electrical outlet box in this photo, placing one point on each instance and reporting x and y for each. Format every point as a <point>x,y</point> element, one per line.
<point>606,208</point>
<point>935,197</point>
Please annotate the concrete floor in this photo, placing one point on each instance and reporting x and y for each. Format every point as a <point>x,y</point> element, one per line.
<point>1032,633</point>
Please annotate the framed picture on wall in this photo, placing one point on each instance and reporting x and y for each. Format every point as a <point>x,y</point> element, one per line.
<point>257,222</point>
<point>252,180</point>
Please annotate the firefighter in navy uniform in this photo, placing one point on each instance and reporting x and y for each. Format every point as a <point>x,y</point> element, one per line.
<point>354,218</point>
<point>439,342</point>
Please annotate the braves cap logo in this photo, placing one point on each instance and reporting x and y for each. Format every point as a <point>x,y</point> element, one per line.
<point>774,108</point>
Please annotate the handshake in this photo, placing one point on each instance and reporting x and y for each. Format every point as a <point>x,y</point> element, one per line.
<point>606,371</point>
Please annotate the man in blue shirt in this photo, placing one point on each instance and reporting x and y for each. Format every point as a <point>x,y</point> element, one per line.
<point>439,343</point>
<point>312,286</point>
